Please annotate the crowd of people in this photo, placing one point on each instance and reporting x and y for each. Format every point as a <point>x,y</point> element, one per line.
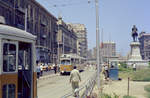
<point>40,68</point>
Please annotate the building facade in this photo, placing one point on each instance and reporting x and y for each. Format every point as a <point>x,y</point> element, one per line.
<point>108,49</point>
<point>144,39</point>
<point>67,39</point>
<point>30,15</point>
<point>81,33</point>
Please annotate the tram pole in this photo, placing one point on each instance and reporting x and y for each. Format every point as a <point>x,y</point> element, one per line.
<point>97,43</point>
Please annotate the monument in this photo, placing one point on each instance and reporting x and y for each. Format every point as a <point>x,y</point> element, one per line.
<point>135,56</point>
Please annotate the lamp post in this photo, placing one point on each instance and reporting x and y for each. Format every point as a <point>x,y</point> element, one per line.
<point>97,43</point>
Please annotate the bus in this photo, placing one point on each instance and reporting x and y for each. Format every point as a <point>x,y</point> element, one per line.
<point>68,61</point>
<point>17,63</point>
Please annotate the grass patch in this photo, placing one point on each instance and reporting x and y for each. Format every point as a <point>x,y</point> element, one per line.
<point>125,74</point>
<point>129,97</point>
<point>124,71</point>
<point>108,96</point>
<point>114,96</point>
<point>148,95</point>
<point>141,75</point>
<point>147,88</point>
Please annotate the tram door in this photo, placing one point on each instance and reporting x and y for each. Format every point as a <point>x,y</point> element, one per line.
<point>9,76</point>
<point>24,70</point>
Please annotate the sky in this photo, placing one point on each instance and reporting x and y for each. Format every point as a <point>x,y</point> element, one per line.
<point>116,18</point>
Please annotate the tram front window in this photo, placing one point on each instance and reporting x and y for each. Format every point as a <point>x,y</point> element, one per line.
<point>9,57</point>
<point>65,62</point>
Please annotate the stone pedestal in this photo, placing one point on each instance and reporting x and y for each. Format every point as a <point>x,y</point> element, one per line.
<point>135,52</point>
<point>135,56</point>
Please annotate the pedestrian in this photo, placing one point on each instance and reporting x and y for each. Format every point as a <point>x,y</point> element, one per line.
<point>55,68</point>
<point>38,71</point>
<point>134,67</point>
<point>41,66</point>
<point>106,71</point>
<point>74,80</point>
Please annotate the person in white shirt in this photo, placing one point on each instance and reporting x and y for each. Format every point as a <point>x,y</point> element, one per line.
<point>106,71</point>
<point>74,80</point>
<point>134,67</point>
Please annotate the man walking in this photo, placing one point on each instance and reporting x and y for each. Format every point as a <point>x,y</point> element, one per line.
<point>74,80</point>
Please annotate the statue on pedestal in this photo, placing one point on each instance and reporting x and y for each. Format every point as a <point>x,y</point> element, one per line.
<point>134,33</point>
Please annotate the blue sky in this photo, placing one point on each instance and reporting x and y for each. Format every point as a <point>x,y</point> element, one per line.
<point>116,18</point>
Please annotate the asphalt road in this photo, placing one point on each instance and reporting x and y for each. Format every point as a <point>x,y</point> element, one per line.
<point>57,86</point>
<point>48,72</point>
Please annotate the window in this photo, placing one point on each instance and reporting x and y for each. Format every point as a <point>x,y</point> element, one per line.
<point>9,91</point>
<point>24,56</point>
<point>9,57</point>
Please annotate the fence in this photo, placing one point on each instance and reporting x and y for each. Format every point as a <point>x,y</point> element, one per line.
<point>84,90</point>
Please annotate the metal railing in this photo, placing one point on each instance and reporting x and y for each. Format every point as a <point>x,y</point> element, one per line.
<point>84,90</point>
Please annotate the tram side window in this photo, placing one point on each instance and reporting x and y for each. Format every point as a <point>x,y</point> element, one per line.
<point>9,91</point>
<point>9,57</point>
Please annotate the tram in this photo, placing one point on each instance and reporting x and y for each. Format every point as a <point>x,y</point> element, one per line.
<point>17,63</point>
<point>67,61</point>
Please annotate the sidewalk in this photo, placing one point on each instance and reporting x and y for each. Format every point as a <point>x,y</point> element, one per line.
<point>120,88</point>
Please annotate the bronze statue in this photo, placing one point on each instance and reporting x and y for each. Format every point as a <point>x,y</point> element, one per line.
<point>134,33</point>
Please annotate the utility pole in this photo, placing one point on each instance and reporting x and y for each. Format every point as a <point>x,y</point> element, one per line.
<point>63,43</point>
<point>97,43</point>
<point>58,44</point>
<point>25,19</point>
<point>14,12</point>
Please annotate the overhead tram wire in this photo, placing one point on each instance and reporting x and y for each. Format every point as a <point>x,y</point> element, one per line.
<point>72,4</point>
<point>60,5</point>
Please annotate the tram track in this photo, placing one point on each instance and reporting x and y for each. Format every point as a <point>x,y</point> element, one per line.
<point>59,85</point>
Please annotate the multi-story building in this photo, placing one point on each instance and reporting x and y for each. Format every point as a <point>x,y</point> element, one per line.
<point>89,54</point>
<point>108,49</point>
<point>144,39</point>
<point>81,33</point>
<point>30,15</point>
<point>67,39</point>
